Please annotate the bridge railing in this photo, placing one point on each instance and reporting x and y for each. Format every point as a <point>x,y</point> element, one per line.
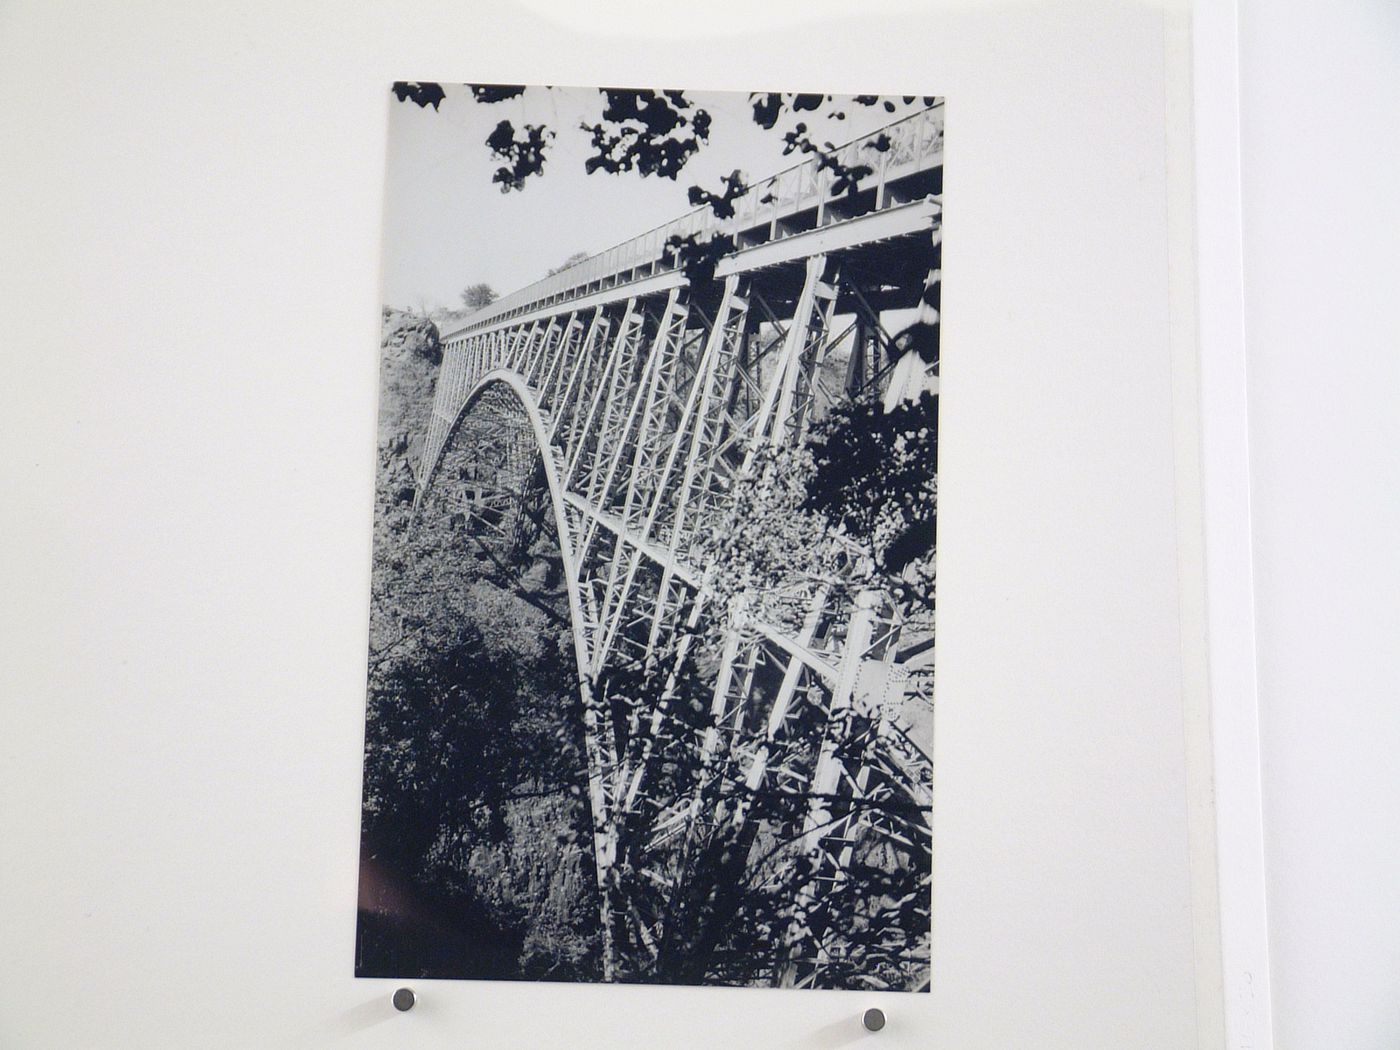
<point>893,152</point>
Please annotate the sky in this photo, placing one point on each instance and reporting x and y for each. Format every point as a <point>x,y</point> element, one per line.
<point>447,225</point>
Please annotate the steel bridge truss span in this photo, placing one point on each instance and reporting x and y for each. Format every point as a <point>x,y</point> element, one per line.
<point>905,159</point>
<point>636,413</point>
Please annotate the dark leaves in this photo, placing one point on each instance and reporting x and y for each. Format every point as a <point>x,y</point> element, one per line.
<point>524,156</point>
<point>645,131</point>
<point>697,258</point>
<point>722,203</point>
<point>490,93</point>
<point>767,109</point>
<point>797,139</point>
<point>876,477</point>
<point>845,177</point>
<point>424,94</point>
<point>658,132</point>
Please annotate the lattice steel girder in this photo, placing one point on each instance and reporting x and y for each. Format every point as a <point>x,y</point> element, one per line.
<point>512,344</point>
<point>537,348</point>
<point>644,535</point>
<point>643,410</point>
<point>732,686</point>
<point>660,387</point>
<point>829,768</point>
<point>803,375</point>
<point>720,351</point>
<point>873,227</point>
<point>659,284</point>
<point>669,563</point>
<point>604,389</point>
<point>551,354</point>
<point>783,378</point>
<point>551,370</point>
<point>779,711</point>
<point>605,446</point>
<point>839,236</point>
<point>561,419</point>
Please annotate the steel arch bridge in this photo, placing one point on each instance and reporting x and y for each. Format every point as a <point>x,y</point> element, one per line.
<point>619,401</point>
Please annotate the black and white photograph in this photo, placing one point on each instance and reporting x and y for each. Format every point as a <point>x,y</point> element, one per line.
<point>650,690</point>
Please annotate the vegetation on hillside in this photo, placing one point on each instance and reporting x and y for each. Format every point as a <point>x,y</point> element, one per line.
<point>473,764</point>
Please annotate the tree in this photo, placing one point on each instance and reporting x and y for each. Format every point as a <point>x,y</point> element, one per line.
<point>576,257</point>
<point>656,134</point>
<point>474,764</point>
<point>477,296</point>
<point>864,483</point>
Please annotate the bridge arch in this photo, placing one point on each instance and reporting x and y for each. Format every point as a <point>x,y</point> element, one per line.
<point>513,382</point>
<point>519,391</point>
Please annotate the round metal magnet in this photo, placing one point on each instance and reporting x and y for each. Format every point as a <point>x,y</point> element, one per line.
<point>404,999</point>
<point>874,1019</point>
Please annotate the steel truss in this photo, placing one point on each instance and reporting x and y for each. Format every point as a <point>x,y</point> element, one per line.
<point>634,415</point>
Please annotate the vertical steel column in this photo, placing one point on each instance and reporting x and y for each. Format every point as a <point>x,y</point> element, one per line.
<point>553,369</point>
<point>569,402</point>
<point>800,381</point>
<point>732,306</point>
<point>782,380</point>
<point>523,356</point>
<point>642,405</point>
<point>604,389</point>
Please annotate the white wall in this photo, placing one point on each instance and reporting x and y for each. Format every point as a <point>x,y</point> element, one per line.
<point>1320,118</point>
<point>189,211</point>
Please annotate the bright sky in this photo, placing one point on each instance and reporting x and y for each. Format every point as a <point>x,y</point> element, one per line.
<point>447,225</point>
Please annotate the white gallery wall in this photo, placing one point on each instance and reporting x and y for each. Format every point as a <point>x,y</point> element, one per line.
<point>190,199</point>
<point>1320,151</point>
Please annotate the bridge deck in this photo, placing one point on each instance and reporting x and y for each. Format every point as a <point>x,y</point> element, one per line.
<point>790,215</point>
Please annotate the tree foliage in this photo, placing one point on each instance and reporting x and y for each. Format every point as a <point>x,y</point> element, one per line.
<point>474,767</point>
<point>854,507</point>
<point>476,296</point>
<point>574,258</point>
<point>474,742</point>
<point>522,151</point>
<point>656,134</point>
<point>650,132</point>
<point>849,509</point>
<point>874,479</point>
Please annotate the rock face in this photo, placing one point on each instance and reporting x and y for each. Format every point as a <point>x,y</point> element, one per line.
<point>411,353</point>
<point>410,359</point>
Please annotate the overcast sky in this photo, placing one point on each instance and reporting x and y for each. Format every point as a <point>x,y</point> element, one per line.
<point>447,225</point>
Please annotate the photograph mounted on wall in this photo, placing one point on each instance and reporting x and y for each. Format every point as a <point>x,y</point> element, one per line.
<point>651,638</point>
